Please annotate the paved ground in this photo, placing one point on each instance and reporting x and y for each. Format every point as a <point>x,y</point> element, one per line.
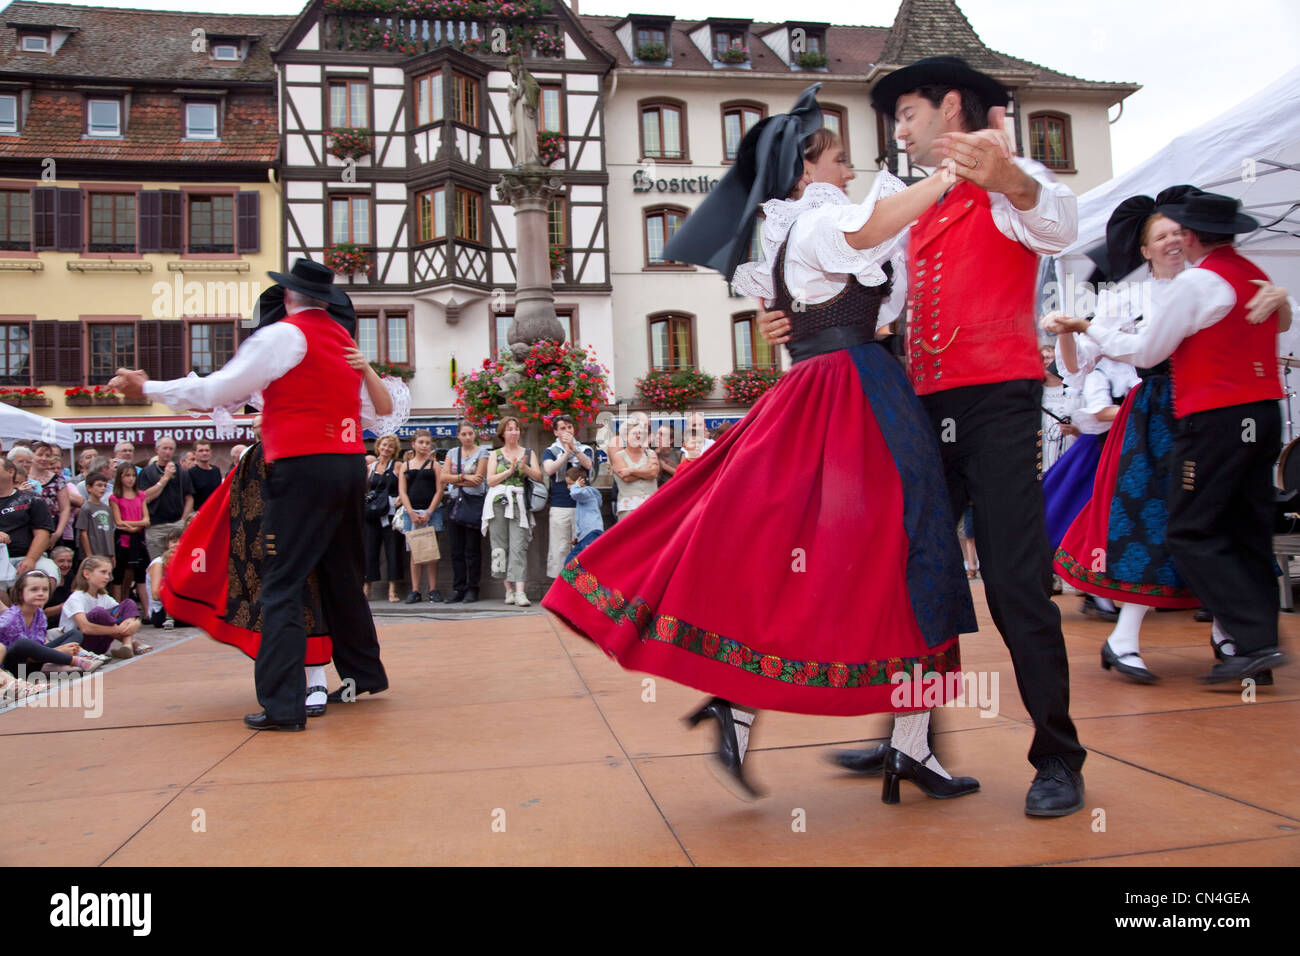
<point>506,739</point>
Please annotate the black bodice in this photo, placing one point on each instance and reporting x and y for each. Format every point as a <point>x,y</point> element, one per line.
<point>848,318</point>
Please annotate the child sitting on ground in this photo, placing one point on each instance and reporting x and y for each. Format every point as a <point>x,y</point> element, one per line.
<point>22,631</point>
<point>588,522</point>
<point>158,617</point>
<point>93,612</point>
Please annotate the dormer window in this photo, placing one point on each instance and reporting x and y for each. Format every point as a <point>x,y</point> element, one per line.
<point>225,51</point>
<point>726,43</point>
<point>652,40</point>
<point>200,120</point>
<point>8,113</point>
<point>34,42</point>
<point>807,45</point>
<point>104,117</point>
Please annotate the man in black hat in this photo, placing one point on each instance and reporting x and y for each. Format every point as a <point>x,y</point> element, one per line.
<point>1219,322</point>
<point>973,358</point>
<point>316,405</point>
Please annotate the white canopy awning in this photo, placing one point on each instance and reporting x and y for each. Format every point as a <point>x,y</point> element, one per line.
<point>16,423</point>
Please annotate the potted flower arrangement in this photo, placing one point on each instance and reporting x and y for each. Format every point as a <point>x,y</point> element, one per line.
<point>348,259</point>
<point>811,60</point>
<point>91,395</point>
<point>550,145</point>
<point>734,54</point>
<point>674,390</point>
<point>553,379</point>
<point>24,397</point>
<point>348,143</point>
<point>652,52</point>
<point>387,369</point>
<point>745,386</point>
<point>558,260</point>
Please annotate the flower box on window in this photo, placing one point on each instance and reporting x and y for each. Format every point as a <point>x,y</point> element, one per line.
<point>811,60</point>
<point>675,390</point>
<point>93,395</point>
<point>745,386</point>
<point>550,146</point>
<point>734,54</point>
<point>348,143</point>
<point>348,259</point>
<point>385,369</point>
<point>25,397</point>
<point>652,52</point>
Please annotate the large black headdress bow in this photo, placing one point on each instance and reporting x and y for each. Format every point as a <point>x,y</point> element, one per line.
<point>1124,228</point>
<point>768,165</point>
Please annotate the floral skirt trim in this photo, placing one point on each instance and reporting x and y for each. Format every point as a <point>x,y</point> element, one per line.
<point>1094,582</point>
<point>667,629</point>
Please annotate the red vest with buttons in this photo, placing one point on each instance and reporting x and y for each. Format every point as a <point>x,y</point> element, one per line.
<point>315,409</point>
<point>971,292</point>
<point>1232,362</point>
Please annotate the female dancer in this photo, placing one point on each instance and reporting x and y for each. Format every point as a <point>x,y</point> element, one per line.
<point>1125,518</point>
<point>863,512</point>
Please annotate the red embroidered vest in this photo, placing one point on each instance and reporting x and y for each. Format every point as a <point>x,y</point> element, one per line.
<point>1232,362</point>
<point>316,408</point>
<point>971,292</point>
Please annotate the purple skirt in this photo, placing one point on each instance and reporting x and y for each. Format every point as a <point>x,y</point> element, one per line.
<point>1067,486</point>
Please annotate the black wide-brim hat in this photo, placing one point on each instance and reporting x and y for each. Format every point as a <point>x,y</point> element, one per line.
<point>1209,212</point>
<point>313,279</point>
<point>936,71</point>
<point>768,164</point>
<point>270,309</point>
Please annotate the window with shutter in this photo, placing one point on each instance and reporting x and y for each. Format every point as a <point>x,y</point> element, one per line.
<point>56,353</point>
<point>149,202</point>
<point>112,346</point>
<point>67,226</point>
<point>15,354</point>
<point>43,217</point>
<point>171,346</point>
<point>171,216</point>
<point>250,230</point>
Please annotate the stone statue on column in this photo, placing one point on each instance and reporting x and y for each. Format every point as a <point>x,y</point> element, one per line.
<point>525,92</point>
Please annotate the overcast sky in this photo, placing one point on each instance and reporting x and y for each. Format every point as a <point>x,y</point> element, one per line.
<point>1194,58</point>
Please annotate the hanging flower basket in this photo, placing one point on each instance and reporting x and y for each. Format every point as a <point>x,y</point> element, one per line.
<point>555,379</point>
<point>348,259</point>
<point>735,54</point>
<point>811,60</point>
<point>674,391</point>
<point>347,143</point>
<point>550,146</point>
<point>745,386</point>
<point>25,397</point>
<point>652,52</point>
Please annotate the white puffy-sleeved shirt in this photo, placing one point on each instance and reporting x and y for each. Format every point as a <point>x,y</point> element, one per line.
<point>819,259</point>
<point>1104,386</point>
<point>268,355</point>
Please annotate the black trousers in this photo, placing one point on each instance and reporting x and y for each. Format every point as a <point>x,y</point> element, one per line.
<point>466,556</point>
<point>383,541</point>
<point>1221,510</point>
<point>313,521</point>
<point>990,442</point>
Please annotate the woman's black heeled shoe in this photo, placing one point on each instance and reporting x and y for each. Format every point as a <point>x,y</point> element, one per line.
<point>1139,674</point>
<point>726,761</point>
<point>899,766</point>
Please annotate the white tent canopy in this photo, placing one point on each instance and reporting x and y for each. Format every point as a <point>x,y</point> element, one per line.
<point>16,423</point>
<point>1252,153</point>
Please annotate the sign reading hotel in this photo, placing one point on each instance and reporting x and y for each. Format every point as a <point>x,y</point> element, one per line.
<point>641,183</point>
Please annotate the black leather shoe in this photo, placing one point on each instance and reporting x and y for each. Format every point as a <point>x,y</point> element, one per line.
<point>471,595</point>
<point>336,696</point>
<point>456,597</point>
<point>1057,791</point>
<point>1202,616</point>
<point>869,762</point>
<point>726,761</point>
<point>1264,679</point>
<point>412,598</point>
<point>1139,674</point>
<point>1090,608</point>
<point>899,766</point>
<point>317,710</point>
<point>1244,665</point>
<point>435,597</point>
<point>262,722</point>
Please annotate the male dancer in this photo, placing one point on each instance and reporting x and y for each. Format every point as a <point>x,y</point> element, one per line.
<point>1219,322</point>
<point>314,413</point>
<point>973,358</point>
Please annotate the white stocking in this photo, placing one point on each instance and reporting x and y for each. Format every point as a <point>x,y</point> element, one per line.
<point>1124,639</point>
<point>1219,635</point>
<point>744,720</point>
<point>1106,604</point>
<point>315,678</point>
<point>909,737</point>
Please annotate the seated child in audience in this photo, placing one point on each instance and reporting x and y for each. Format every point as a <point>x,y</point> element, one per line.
<point>158,617</point>
<point>22,631</point>
<point>93,612</point>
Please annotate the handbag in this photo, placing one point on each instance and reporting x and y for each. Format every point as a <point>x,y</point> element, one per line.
<point>377,504</point>
<point>538,494</point>
<point>423,543</point>
<point>465,508</point>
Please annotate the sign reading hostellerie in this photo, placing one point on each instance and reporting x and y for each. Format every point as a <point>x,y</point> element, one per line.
<point>642,183</point>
